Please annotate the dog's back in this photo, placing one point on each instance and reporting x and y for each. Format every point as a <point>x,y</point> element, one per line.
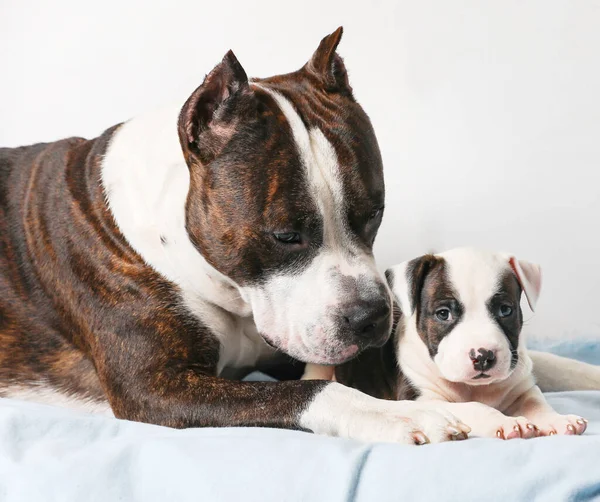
<point>34,353</point>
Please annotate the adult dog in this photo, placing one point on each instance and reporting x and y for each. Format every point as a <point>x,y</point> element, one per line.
<point>137,267</point>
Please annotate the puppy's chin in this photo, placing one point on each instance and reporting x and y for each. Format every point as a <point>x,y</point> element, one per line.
<point>475,379</point>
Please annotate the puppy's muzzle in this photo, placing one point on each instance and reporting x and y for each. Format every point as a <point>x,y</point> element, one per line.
<point>484,360</point>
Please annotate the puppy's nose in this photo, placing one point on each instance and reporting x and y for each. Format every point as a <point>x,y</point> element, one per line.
<point>483,360</point>
<point>368,320</point>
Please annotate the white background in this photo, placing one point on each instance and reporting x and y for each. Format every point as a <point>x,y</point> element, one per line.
<point>487,112</point>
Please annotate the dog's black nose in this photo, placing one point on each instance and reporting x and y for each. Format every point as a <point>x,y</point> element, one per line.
<point>484,360</point>
<point>368,320</point>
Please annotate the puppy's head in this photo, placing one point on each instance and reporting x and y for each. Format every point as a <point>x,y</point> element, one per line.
<point>465,306</point>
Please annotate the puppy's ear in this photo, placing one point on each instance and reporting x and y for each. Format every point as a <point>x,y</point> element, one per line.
<point>208,118</point>
<point>328,66</point>
<point>529,276</point>
<point>406,281</point>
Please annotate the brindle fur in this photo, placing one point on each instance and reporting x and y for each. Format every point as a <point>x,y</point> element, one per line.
<point>376,371</point>
<point>81,312</point>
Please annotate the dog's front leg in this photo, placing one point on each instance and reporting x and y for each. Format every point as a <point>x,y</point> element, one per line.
<point>174,384</point>
<point>533,405</point>
<point>189,399</point>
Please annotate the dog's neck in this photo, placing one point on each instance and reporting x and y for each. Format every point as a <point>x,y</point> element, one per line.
<point>146,181</point>
<point>416,364</point>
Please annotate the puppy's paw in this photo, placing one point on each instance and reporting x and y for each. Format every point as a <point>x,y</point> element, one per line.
<point>487,422</point>
<point>503,427</point>
<point>552,423</point>
<point>514,428</point>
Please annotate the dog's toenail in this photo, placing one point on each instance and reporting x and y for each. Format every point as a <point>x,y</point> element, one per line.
<point>530,427</point>
<point>571,428</point>
<point>552,433</point>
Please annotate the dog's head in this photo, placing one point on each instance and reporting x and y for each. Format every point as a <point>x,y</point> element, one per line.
<point>465,306</point>
<point>286,197</point>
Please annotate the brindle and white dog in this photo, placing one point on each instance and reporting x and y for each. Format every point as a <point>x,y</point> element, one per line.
<point>459,340</point>
<point>140,268</point>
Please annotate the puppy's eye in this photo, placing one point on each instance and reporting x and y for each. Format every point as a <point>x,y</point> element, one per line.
<point>505,310</point>
<point>443,314</point>
<point>288,237</point>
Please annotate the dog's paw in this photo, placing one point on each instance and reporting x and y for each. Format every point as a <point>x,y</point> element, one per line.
<point>428,422</point>
<point>344,412</point>
<point>406,425</point>
<point>552,423</point>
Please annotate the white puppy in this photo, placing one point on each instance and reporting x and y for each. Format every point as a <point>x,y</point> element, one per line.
<point>458,340</point>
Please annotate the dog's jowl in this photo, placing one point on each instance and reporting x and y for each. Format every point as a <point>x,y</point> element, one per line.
<point>137,267</point>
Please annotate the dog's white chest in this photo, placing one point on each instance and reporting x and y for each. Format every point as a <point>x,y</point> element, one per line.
<point>241,344</point>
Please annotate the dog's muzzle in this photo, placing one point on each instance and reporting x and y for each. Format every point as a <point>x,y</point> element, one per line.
<point>366,323</point>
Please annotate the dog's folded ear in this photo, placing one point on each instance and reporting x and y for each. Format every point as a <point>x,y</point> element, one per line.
<point>529,276</point>
<point>328,66</point>
<point>406,281</point>
<point>214,108</point>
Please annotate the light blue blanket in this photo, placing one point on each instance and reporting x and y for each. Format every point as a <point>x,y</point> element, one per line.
<point>48,453</point>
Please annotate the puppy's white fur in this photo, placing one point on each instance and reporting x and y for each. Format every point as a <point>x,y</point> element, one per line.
<point>475,276</point>
<point>555,373</point>
<point>447,379</point>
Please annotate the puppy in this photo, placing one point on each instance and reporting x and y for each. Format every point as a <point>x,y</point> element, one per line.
<point>458,340</point>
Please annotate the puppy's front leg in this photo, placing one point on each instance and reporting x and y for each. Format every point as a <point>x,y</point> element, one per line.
<point>318,372</point>
<point>534,406</point>
<point>487,422</point>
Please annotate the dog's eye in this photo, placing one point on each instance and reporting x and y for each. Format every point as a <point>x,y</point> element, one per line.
<point>505,310</point>
<point>376,213</point>
<point>443,314</point>
<point>288,237</point>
